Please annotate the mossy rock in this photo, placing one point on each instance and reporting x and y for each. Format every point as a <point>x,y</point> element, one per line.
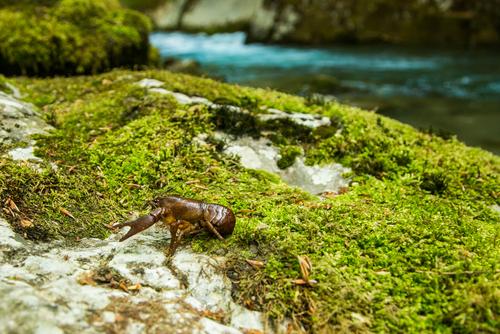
<point>411,246</point>
<point>71,37</point>
<point>412,22</point>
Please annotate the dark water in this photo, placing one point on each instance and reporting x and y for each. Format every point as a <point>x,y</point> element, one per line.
<point>456,92</point>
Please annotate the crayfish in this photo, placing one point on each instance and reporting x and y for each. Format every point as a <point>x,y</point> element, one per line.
<point>183,216</point>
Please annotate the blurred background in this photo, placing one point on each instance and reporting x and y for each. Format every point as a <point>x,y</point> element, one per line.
<point>434,64</point>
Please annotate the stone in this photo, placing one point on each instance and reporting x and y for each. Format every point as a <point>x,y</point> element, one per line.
<point>41,290</point>
<point>8,239</point>
<point>18,120</point>
<point>308,120</point>
<point>168,15</point>
<point>261,154</point>
<point>206,14</point>
<point>150,83</point>
<point>23,154</point>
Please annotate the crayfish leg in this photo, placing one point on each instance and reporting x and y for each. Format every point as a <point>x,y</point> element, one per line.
<point>212,229</point>
<point>178,229</point>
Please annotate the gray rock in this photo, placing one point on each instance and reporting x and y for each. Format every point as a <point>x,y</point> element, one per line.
<point>23,154</point>
<point>261,154</point>
<point>181,98</point>
<point>150,83</point>
<point>205,14</point>
<point>168,15</point>
<point>43,287</point>
<point>154,86</point>
<point>308,120</point>
<point>18,121</point>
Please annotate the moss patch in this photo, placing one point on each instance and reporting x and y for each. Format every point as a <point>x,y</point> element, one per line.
<point>412,246</point>
<point>70,36</point>
<point>288,156</point>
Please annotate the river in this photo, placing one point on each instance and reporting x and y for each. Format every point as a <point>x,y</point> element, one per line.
<point>451,92</point>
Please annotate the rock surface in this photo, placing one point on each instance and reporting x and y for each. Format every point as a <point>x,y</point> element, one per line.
<point>97,286</point>
<point>260,154</point>
<point>308,120</point>
<point>18,120</point>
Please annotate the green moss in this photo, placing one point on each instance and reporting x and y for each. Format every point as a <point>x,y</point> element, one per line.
<point>411,246</point>
<point>288,155</point>
<point>71,36</point>
<point>3,86</point>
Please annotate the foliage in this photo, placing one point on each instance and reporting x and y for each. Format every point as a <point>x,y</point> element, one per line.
<point>71,36</point>
<point>411,246</point>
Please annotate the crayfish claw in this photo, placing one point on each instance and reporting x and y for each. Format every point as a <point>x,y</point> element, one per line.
<point>136,226</point>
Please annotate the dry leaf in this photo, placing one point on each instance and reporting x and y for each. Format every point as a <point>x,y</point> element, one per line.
<point>26,223</point>
<point>10,203</point>
<point>305,266</point>
<point>123,286</point>
<point>305,269</point>
<point>135,287</point>
<point>86,279</point>
<point>255,264</point>
<point>252,331</point>
<point>66,212</point>
<point>301,281</point>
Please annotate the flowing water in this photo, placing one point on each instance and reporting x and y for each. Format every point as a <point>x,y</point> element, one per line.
<point>456,92</point>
